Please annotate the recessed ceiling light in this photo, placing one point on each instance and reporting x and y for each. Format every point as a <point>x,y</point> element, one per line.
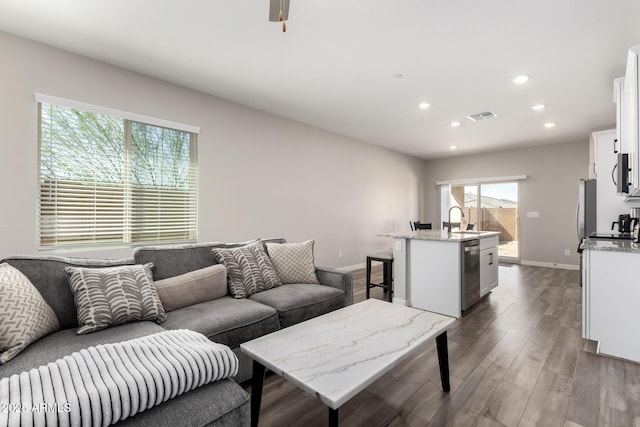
<point>453,147</point>
<point>538,107</point>
<point>549,125</point>
<point>424,105</point>
<point>521,79</point>
<point>455,124</point>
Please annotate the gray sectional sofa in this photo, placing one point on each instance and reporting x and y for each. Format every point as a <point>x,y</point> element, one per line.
<point>224,320</point>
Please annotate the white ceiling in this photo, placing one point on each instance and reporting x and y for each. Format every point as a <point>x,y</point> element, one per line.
<point>334,67</point>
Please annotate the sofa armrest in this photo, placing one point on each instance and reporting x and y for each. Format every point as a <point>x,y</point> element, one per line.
<point>337,279</point>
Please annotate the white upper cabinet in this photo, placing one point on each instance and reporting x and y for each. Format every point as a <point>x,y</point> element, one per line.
<point>618,99</point>
<point>628,120</point>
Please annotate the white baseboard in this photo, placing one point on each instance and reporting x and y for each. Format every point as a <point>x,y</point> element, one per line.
<point>550,265</point>
<point>400,301</point>
<point>350,268</point>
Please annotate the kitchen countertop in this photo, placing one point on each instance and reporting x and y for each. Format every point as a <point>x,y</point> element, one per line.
<point>612,245</point>
<point>441,235</point>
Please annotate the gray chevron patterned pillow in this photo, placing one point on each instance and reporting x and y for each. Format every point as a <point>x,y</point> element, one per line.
<point>24,315</point>
<point>249,269</point>
<point>293,262</point>
<point>114,295</point>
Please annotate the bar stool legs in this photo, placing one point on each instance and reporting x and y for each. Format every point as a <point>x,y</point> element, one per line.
<point>368,275</point>
<point>386,258</point>
<point>388,279</point>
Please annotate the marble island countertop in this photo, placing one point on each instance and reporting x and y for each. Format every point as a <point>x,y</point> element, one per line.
<point>612,245</point>
<point>441,235</point>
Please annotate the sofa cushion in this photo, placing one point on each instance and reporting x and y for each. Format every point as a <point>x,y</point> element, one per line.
<point>173,260</point>
<point>191,288</point>
<point>298,302</point>
<point>48,276</point>
<point>24,314</point>
<point>293,261</point>
<point>63,343</point>
<point>264,242</point>
<point>114,295</point>
<point>219,404</point>
<point>249,269</point>
<point>226,320</point>
<point>170,261</point>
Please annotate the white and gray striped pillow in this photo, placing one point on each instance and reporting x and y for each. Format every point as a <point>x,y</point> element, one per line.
<point>249,269</point>
<point>112,296</point>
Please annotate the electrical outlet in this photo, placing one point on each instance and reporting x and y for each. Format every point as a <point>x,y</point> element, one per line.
<point>339,254</point>
<point>567,252</point>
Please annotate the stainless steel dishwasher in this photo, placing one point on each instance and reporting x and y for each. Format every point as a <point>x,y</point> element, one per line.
<point>470,273</point>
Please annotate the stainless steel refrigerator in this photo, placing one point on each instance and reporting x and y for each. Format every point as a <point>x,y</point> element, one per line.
<point>586,217</point>
<point>586,222</point>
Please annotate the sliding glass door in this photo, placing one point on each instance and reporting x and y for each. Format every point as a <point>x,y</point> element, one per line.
<point>500,213</point>
<point>487,207</point>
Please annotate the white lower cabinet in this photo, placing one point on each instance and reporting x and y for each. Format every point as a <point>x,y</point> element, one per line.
<point>610,302</point>
<point>488,265</point>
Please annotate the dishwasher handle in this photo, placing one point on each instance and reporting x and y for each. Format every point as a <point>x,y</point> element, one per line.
<point>472,245</point>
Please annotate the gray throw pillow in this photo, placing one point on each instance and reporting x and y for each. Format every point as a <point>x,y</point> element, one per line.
<point>24,315</point>
<point>249,269</point>
<point>114,295</point>
<point>196,286</point>
<point>293,262</point>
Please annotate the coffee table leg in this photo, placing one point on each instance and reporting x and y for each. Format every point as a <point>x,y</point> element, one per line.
<point>333,417</point>
<point>256,392</point>
<point>443,360</point>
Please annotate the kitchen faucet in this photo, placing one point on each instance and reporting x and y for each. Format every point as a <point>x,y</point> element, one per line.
<point>450,209</point>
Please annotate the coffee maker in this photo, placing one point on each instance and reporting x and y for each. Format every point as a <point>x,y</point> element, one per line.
<point>625,224</point>
<point>635,220</point>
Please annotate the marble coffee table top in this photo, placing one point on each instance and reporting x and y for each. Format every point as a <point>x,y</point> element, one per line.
<point>335,356</point>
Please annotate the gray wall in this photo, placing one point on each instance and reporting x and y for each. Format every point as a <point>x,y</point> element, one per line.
<point>260,175</point>
<point>551,189</point>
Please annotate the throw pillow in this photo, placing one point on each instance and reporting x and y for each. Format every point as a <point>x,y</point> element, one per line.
<point>112,296</point>
<point>249,269</point>
<point>191,288</point>
<point>293,261</point>
<point>24,315</point>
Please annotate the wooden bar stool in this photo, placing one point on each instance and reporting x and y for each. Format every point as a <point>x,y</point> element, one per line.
<point>386,258</point>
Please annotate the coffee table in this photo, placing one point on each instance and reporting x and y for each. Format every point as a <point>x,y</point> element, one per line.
<point>335,356</point>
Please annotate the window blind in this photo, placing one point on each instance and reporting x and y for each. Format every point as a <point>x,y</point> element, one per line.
<point>106,180</point>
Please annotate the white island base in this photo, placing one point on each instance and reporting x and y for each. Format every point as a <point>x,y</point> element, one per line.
<point>433,276</point>
<point>427,268</point>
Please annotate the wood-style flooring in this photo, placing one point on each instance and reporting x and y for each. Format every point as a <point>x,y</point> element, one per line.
<point>517,359</point>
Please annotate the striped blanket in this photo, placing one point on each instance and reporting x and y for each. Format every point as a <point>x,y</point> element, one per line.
<point>102,385</point>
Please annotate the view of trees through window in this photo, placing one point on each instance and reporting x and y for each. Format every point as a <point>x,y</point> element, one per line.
<point>104,179</point>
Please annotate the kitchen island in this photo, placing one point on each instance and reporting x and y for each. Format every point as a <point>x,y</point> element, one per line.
<point>429,268</point>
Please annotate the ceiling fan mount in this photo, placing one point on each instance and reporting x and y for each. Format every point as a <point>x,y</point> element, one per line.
<point>279,12</point>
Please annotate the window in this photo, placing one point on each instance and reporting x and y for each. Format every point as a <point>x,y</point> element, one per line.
<point>108,179</point>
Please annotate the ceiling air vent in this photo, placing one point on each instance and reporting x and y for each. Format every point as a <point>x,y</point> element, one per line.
<point>481,116</point>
